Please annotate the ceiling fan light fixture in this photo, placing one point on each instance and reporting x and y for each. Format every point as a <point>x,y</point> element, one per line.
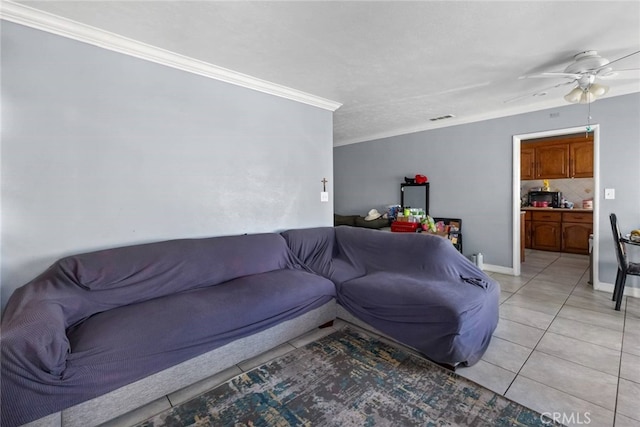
<point>574,96</point>
<point>586,95</point>
<point>587,98</point>
<point>598,90</point>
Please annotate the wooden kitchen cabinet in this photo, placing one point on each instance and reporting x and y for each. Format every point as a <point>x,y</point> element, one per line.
<point>581,155</point>
<point>527,163</point>
<point>552,161</point>
<point>527,230</point>
<point>576,228</point>
<point>546,230</point>
<point>558,230</point>
<point>567,156</point>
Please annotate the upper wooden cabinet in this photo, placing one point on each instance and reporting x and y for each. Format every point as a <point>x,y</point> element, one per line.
<point>527,162</point>
<point>568,156</point>
<point>552,161</point>
<point>581,155</point>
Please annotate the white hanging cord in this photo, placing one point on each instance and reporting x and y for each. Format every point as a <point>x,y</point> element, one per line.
<point>586,135</point>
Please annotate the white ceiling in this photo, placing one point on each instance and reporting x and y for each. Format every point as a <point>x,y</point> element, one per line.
<point>392,65</point>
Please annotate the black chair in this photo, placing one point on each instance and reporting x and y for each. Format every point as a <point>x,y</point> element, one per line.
<point>625,268</point>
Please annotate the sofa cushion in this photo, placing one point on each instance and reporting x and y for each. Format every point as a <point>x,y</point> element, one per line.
<point>139,339</point>
<point>450,321</point>
<point>405,297</point>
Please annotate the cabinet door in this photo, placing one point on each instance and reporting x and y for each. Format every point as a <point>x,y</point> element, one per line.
<point>546,236</point>
<point>527,163</point>
<point>575,237</point>
<point>527,234</point>
<point>552,161</point>
<point>581,155</point>
<point>527,229</point>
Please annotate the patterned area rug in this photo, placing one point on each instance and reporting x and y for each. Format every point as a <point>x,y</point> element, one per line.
<point>349,379</point>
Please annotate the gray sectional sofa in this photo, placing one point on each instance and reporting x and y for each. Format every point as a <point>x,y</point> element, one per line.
<point>100,334</point>
<point>416,288</point>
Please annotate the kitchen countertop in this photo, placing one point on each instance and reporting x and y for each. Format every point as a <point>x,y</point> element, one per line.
<point>531,208</point>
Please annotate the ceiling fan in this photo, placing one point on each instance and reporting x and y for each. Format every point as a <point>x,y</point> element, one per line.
<point>586,69</point>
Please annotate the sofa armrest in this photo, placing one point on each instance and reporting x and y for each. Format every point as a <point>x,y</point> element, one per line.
<point>34,341</point>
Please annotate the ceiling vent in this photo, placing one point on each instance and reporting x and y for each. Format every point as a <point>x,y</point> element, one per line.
<point>447,116</point>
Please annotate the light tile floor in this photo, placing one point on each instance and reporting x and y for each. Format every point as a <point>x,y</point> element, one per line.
<point>559,348</point>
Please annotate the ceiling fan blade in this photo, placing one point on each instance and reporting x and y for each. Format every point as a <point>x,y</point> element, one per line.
<point>616,60</point>
<point>541,92</point>
<point>626,74</point>
<point>551,75</point>
<point>518,98</point>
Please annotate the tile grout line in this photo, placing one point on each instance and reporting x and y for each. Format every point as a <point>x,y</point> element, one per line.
<point>566,304</point>
<point>624,324</point>
<point>534,347</point>
<point>545,330</point>
<point>564,392</point>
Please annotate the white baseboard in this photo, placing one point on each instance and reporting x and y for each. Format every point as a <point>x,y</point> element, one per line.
<point>608,287</point>
<point>498,269</point>
<point>629,291</point>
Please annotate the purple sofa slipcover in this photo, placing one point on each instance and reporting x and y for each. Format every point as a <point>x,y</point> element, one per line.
<point>94,322</point>
<point>416,288</point>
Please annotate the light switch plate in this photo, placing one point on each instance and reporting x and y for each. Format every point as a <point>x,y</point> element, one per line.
<point>324,196</point>
<point>609,193</point>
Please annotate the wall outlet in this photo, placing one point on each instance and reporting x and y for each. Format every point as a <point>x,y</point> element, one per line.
<point>609,193</point>
<point>324,196</point>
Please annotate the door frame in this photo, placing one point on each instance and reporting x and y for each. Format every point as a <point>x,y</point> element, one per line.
<point>517,139</point>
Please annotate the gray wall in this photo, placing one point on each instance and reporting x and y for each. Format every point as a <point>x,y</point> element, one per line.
<point>470,168</point>
<point>100,149</point>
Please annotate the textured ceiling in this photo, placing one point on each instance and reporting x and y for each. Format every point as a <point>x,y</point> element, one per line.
<point>393,65</point>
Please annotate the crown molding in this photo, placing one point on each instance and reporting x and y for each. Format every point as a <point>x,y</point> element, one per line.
<point>37,19</point>
<point>462,120</point>
<point>458,120</point>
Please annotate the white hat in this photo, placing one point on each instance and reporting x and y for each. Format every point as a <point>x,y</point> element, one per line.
<point>373,214</point>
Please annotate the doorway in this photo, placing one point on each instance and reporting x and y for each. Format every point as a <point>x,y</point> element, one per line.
<point>517,139</point>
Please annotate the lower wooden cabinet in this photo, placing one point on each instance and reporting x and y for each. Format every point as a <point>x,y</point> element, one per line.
<point>558,231</point>
<point>546,236</point>
<point>527,230</point>
<point>576,228</point>
<point>546,230</point>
